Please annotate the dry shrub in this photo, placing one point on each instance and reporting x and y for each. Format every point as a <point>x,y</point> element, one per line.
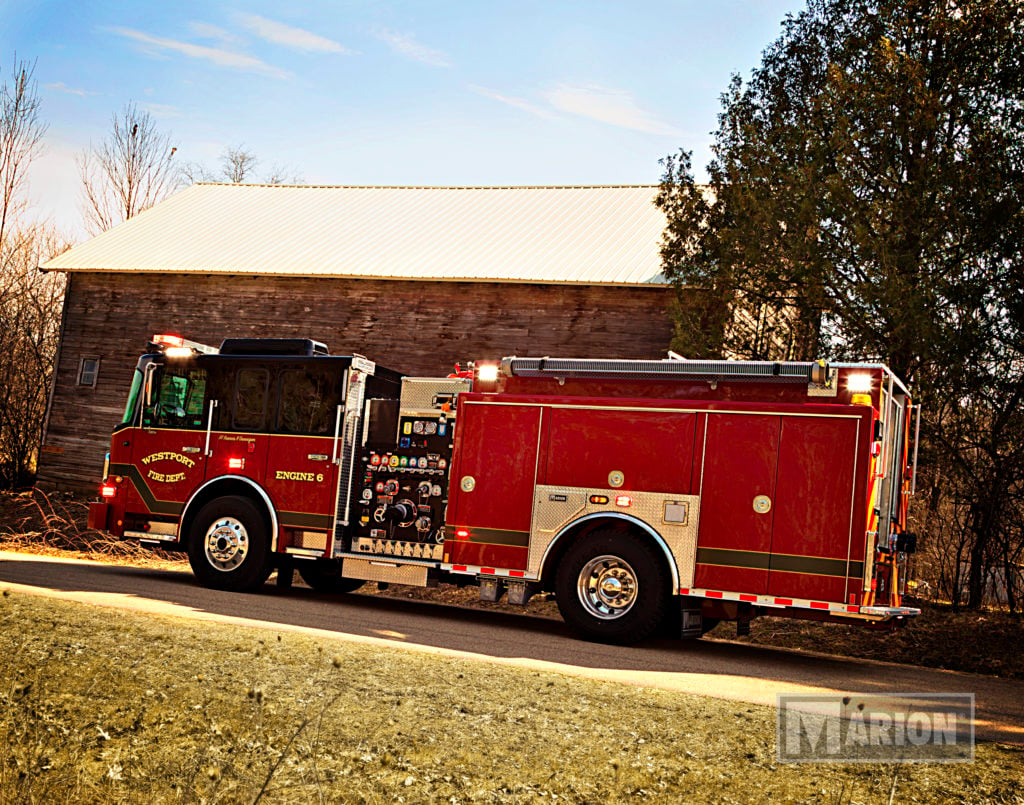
<point>55,522</point>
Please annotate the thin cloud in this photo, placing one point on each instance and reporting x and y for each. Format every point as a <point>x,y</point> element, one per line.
<point>163,110</point>
<point>207,31</point>
<point>218,56</point>
<point>406,45</point>
<point>617,107</point>
<point>513,101</point>
<point>296,38</point>
<point>60,86</point>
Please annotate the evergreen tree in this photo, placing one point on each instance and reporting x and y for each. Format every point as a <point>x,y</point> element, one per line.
<point>865,202</point>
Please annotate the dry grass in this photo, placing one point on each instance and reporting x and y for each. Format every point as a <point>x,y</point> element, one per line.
<point>134,708</point>
<point>56,524</point>
<point>987,642</point>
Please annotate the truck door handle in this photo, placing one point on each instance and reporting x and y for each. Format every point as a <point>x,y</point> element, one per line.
<point>317,457</point>
<point>190,450</point>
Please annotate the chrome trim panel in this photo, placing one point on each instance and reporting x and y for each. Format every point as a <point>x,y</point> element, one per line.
<point>678,542</point>
<point>378,570</point>
<point>418,394</point>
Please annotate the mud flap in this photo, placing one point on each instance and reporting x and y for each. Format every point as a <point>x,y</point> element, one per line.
<point>690,621</point>
<point>98,515</point>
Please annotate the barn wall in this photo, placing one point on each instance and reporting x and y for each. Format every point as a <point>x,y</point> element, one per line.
<point>414,327</point>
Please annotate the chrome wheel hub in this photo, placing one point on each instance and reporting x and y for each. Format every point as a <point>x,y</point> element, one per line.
<point>607,587</point>
<point>226,543</point>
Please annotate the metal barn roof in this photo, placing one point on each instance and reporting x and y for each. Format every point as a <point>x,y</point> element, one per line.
<point>589,235</point>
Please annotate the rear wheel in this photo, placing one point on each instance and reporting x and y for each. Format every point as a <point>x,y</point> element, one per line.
<point>612,587</point>
<point>229,545</point>
<point>324,576</point>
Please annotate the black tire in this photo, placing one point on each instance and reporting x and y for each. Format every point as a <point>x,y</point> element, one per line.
<point>612,587</point>
<point>229,545</point>
<point>324,576</point>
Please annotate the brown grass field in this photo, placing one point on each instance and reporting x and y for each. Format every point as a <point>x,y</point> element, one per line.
<point>100,706</point>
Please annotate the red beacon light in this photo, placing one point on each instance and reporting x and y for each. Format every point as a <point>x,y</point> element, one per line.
<point>174,346</point>
<point>169,340</point>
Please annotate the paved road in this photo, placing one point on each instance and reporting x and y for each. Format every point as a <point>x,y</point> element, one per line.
<point>723,669</point>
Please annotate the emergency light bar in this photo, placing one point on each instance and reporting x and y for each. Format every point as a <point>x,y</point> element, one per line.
<point>174,346</point>
<point>816,372</point>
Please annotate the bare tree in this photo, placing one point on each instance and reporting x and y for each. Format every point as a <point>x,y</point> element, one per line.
<point>193,172</point>
<point>30,308</point>
<point>127,173</point>
<point>279,174</point>
<point>21,135</point>
<point>237,164</point>
<point>30,301</point>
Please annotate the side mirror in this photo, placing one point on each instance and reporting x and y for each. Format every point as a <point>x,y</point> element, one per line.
<point>150,372</point>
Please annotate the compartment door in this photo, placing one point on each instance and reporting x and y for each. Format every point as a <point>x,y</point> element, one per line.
<point>493,484</point>
<point>737,492</point>
<point>812,531</point>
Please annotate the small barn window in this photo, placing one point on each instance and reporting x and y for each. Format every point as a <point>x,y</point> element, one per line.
<point>88,371</point>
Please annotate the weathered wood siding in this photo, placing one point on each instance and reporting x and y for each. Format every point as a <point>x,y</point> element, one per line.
<point>418,328</point>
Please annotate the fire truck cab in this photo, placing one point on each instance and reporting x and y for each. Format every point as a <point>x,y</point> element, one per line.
<point>646,495</point>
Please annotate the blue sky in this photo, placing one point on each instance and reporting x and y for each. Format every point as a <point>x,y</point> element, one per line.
<point>442,93</point>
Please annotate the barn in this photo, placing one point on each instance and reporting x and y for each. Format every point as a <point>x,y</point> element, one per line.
<point>415,278</point>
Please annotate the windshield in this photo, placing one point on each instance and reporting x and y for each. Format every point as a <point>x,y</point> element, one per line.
<point>131,406</point>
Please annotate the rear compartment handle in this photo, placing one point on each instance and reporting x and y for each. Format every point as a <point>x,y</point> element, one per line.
<point>317,457</point>
<point>190,449</point>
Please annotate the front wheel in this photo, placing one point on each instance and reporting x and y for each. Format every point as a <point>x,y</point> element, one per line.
<point>324,576</point>
<point>229,545</point>
<point>612,587</point>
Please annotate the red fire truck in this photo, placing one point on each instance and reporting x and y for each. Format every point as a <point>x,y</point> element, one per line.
<point>660,494</point>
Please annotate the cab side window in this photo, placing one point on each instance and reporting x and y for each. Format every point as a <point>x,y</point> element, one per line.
<point>177,399</point>
<point>250,409</point>
<point>309,400</point>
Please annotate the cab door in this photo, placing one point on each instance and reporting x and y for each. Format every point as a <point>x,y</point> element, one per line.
<point>301,476</point>
<point>167,450</point>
